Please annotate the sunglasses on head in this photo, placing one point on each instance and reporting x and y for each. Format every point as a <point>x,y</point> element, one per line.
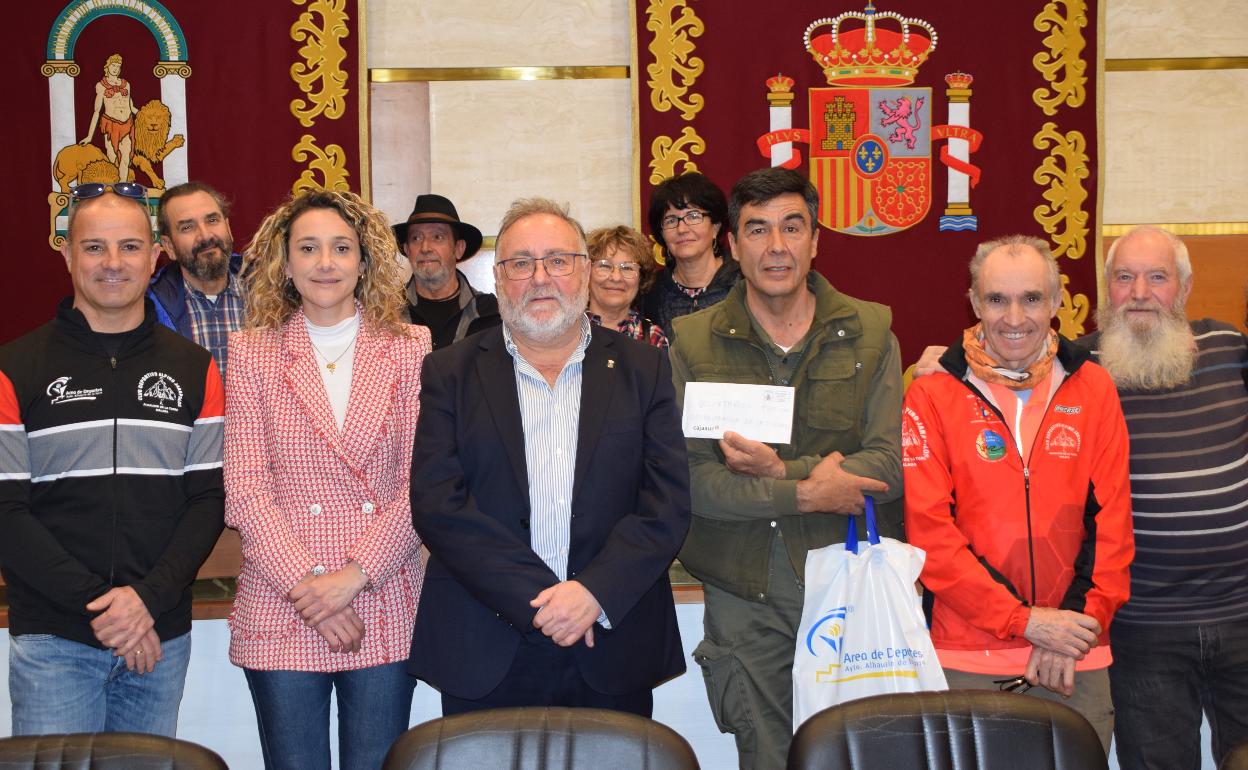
<point>85,192</point>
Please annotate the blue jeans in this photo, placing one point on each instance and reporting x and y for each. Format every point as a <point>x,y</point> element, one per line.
<point>292,711</point>
<point>60,686</point>
<point>1164,677</point>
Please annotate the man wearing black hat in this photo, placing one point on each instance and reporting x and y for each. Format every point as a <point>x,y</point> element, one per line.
<point>439,295</point>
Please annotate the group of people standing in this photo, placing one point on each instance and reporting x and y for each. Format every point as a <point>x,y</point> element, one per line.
<point>340,417</point>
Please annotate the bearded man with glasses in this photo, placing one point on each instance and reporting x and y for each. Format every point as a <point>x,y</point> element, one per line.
<point>550,483</point>
<point>110,487</point>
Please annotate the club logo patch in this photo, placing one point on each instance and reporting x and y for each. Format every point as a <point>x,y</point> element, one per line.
<point>979,410</point>
<point>990,445</point>
<point>59,390</point>
<point>913,439</point>
<point>1062,440</point>
<point>161,392</point>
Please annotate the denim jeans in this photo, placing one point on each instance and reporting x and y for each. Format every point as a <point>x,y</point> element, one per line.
<point>292,711</point>
<point>60,686</point>
<point>1164,677</point>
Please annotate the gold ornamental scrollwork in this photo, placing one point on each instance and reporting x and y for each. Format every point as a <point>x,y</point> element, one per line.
<point>674,69</point>
<point>1063,216</point>
<point>1072,313</point>
<point>667,152</point>
<point>320,74</point>
<point>1062,65</point>
<point>330,163</point>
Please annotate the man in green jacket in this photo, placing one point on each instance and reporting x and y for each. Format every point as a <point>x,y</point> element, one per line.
<point>759,508</point>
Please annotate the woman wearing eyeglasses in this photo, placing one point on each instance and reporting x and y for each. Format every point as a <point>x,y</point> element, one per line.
<point>621,266</point>
<point>687,214</point>
<point>323,395</point>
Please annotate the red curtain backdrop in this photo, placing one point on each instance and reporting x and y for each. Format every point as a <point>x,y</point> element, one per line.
<point>235,63</point>
<point>702,69</point>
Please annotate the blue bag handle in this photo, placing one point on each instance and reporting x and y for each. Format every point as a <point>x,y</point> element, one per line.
<point>851,533</point>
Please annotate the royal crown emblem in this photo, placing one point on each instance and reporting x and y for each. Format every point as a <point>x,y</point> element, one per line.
<point>858,48</point>
<point>871,131</point>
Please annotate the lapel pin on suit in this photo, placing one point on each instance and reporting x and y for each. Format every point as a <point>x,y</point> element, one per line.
<point>610,363</point>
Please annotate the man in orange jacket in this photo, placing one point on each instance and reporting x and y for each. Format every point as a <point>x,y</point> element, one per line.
<point>1015,460</point>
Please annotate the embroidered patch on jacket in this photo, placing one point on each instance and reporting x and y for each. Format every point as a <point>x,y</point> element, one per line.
<point>1062,440</point>
<point>161,392</point>
<point>990,445</point>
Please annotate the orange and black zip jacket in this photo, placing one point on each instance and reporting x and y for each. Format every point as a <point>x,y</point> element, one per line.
<point>1000,535</point>
<point>110,473</point>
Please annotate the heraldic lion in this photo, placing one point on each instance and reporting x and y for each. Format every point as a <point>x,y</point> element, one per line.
<point>151,127</point>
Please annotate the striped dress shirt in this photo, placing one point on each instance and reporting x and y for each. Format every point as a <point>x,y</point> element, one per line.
<point>550,417</point>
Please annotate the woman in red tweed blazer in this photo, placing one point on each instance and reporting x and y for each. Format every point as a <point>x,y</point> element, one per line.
<point>321,407</point>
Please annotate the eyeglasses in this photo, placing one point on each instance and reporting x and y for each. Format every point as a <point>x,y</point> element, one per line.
<point>556,265</point>
<point>671,221</point>
<point>628,270</point>
<point>85,192</point>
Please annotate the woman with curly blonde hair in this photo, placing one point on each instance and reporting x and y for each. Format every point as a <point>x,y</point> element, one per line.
<point>324,385</point>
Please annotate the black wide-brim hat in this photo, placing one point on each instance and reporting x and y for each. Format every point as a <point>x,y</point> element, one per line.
<point>435,209</point>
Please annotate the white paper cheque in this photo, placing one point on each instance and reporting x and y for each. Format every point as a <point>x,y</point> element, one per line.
<point>759,412</point>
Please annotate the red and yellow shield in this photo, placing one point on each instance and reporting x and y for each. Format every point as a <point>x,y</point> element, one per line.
<point>870,157</point>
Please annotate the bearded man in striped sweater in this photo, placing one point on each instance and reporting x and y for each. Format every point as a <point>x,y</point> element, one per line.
<point>1180,644</point>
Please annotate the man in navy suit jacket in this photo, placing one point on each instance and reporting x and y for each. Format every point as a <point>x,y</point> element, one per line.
<point>550,483</point>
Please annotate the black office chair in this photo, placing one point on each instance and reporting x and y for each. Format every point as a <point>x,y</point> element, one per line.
<point>105,751</point>
<point>1235,759</point>
<point>538,738</point>
<point>943,730</point>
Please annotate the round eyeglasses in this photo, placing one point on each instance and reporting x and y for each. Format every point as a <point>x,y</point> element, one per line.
<point>628,270</point>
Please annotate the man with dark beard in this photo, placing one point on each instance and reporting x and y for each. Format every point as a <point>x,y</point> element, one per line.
<point>197,294</point>
<point>1181,642</point>
<point>438,294</point>
<point>550,483</point>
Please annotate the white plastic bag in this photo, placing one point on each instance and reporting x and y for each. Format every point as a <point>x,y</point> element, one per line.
<point>862,631</point>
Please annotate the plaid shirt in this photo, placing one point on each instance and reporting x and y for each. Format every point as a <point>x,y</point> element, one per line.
<point>212,322</point>
<point>633,327</point>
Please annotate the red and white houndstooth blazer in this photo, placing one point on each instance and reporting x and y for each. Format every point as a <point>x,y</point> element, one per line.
<point>303,494</point>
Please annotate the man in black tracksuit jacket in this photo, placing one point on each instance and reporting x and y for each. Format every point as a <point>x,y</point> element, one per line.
<point>110,490</point>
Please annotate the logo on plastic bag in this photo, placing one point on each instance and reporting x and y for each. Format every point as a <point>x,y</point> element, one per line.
<point>833,629</point>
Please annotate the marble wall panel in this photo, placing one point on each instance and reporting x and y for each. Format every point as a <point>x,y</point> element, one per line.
<point>570,140</point>
<point>399,146</point>
<point>1146,29</point>
<point>497,33</point>
<point>1174,147</point>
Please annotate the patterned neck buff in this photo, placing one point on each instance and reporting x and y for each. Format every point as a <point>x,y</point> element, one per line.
<point>987,369</point>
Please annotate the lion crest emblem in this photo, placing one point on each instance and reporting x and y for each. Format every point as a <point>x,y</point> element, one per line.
<point>83,163</point>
